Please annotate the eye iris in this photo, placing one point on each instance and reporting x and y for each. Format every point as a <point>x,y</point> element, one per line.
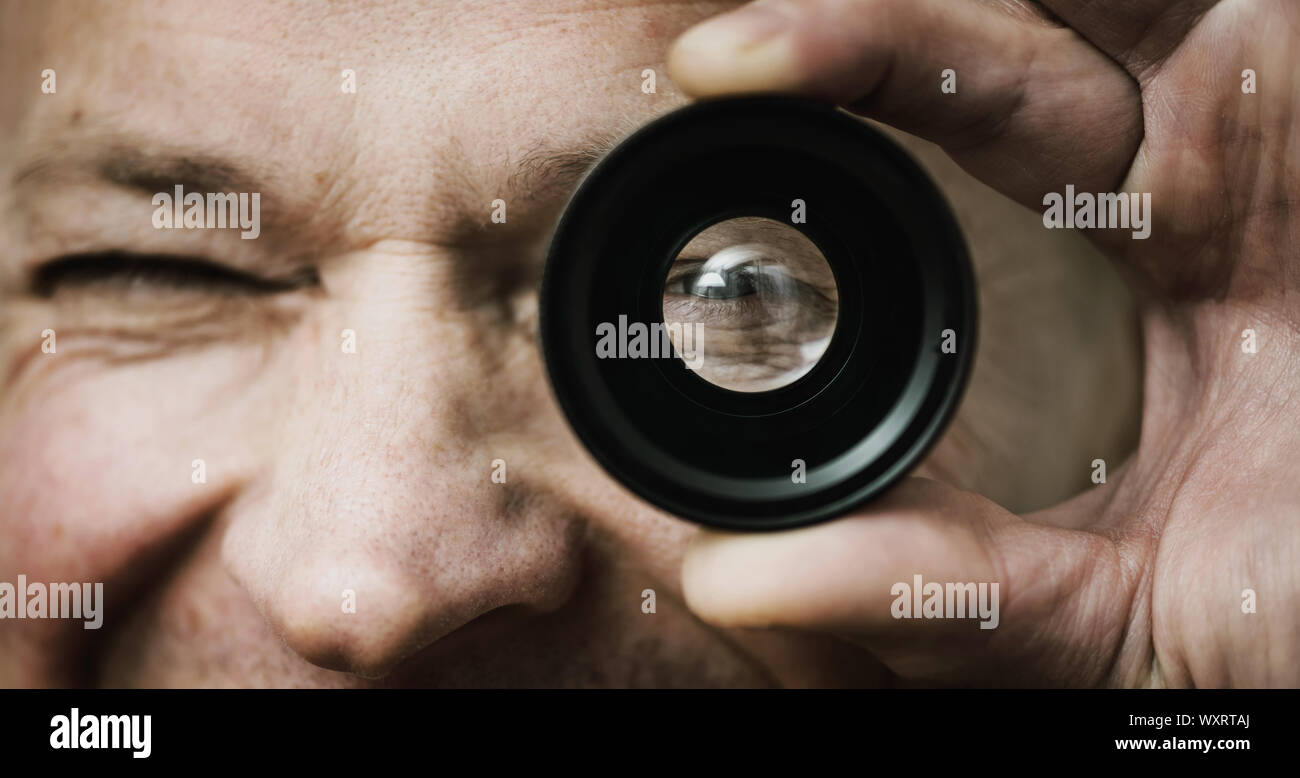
<point>722,283</point>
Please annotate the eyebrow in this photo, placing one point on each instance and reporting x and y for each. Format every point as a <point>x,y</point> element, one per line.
<point>153,172</point>
<point>545,172</point>
<point>144,165</point>
<point>137,165</point>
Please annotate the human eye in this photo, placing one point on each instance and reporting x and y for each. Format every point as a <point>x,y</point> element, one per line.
<point>154,304</point>
<point>742,287</point>
<point>766,309</point>
<point>127,274</point>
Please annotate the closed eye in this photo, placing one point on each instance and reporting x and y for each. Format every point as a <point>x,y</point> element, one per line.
<point>125,271</point>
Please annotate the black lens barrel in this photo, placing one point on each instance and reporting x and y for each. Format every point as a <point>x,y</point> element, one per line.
<point>881,394</point>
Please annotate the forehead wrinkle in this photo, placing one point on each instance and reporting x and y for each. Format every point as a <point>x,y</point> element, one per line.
<point>534,174</point>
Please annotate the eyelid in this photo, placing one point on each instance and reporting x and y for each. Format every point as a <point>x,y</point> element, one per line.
<point>167,270</point>
<point>797,255</point>
<point>683,267</point>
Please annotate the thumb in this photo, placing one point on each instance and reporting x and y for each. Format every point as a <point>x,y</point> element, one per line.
<point>1009,94</point>
<point>1057,616</point>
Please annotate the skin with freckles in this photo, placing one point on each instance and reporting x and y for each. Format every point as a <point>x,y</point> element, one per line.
<point>329,472</point>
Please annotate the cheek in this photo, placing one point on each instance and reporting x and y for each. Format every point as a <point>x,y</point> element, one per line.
<point>97,460</point>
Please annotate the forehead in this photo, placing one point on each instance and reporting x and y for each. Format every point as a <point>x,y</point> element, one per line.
<point>451,96</point>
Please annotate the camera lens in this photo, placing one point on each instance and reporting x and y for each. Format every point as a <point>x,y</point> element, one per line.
<point>750,304</point>
<point>757,312</point>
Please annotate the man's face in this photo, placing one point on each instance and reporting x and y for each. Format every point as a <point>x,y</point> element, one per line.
<point>329,455</point>
<point>329,476</point>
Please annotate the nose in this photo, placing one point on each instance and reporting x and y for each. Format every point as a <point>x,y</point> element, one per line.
<point>400,502</point>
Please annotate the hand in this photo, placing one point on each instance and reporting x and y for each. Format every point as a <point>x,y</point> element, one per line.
<point>1141,580</point>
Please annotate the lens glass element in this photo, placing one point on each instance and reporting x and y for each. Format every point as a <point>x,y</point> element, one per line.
<point>750,304</point>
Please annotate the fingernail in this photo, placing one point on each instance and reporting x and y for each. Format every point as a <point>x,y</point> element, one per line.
<point>746,48</point>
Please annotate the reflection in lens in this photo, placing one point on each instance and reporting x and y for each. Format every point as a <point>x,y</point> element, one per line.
<point>750,304</point>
